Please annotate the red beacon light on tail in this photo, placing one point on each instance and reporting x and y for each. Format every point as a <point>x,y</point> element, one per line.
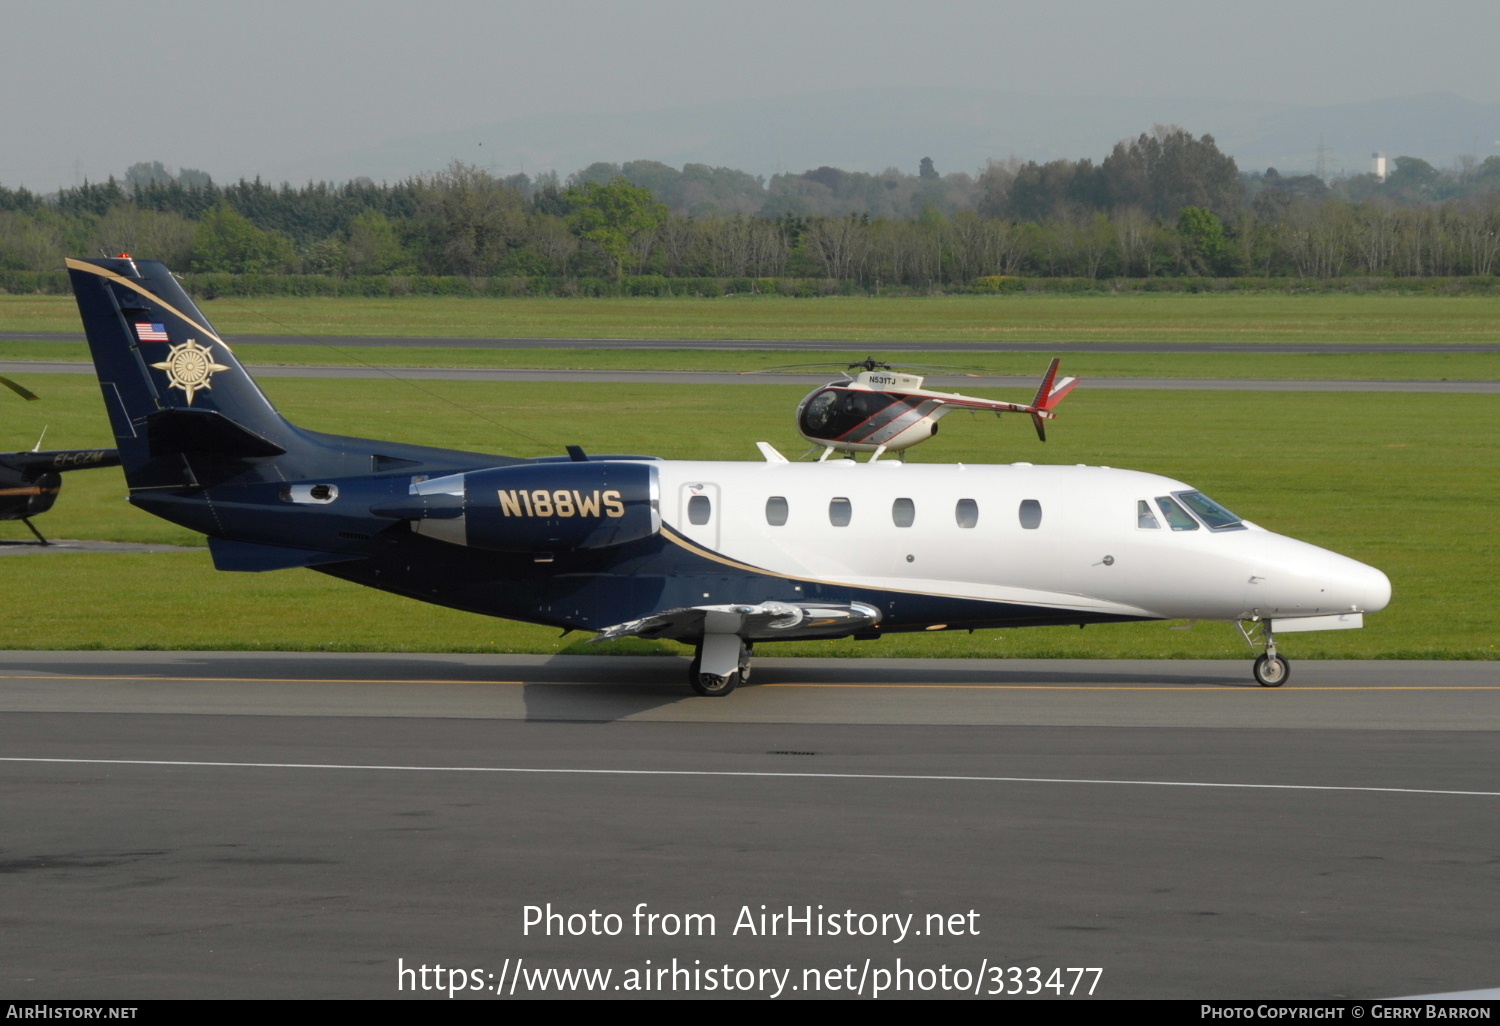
<point>881,410</point>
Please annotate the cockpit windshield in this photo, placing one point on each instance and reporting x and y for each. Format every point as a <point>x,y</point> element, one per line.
<point>835,411</point>
<point>1210,512</point>
<point>1177,517</point>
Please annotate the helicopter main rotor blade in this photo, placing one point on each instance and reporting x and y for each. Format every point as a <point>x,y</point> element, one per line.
<point>965,371</point>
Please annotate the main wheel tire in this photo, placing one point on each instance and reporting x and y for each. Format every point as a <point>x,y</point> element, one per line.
<point>1272,671</point>
<point>711,685</point>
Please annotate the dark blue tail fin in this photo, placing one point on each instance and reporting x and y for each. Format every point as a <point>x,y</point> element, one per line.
<point>172,387</point>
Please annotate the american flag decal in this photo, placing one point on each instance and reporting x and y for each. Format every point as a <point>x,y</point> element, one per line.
<point>151,332</point>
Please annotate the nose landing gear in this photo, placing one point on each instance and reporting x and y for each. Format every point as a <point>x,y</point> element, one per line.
<point>1270,670</point>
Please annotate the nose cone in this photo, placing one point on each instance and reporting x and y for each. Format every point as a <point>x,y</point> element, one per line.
<point>1294,578</point>
<point>1359,587</point>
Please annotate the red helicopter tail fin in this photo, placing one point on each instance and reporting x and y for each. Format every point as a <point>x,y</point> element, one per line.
<point>1051,392</point>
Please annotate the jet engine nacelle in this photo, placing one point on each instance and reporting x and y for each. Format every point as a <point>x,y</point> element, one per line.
<point>540,507</point>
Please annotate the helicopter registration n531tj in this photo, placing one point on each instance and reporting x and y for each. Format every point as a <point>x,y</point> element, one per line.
<point>719,555</point>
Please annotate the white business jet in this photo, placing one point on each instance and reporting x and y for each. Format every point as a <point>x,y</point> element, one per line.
<point>720,556</point>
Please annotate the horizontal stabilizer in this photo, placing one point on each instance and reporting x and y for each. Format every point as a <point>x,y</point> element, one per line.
<point>250,557</point>
<point>204,431</point>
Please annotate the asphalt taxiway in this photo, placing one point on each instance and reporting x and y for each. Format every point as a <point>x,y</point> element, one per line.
<point>815,345</point>
<point>277,824</point>
<point>652,377</point>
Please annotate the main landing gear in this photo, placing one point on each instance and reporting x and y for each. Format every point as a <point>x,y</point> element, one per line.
<point>720,664</point>
<point>1270,670</point>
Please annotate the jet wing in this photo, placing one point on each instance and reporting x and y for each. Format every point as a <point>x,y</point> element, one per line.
<point>767,621</point>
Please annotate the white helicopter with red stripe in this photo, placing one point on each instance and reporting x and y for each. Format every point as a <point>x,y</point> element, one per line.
<point>881,410</point>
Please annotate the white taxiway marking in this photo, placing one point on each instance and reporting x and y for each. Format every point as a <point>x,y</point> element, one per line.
<point>933,777</point>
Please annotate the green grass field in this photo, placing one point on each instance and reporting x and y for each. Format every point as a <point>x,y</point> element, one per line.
<point>1362,366</point>
<point>1406,483</point>
<point>1073,319</point>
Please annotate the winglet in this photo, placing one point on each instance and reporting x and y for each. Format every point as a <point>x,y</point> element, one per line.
<point>769,452</point>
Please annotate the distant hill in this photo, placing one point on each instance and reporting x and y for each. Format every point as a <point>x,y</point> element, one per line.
<point>869,131</point>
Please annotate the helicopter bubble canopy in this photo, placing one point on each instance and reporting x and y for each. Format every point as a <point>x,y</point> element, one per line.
<point>882,410</point>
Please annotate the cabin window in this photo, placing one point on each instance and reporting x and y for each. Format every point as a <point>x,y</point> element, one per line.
<point>840,512</point>
<point>700,509</point>
<point>1210,512</point>
<point>1031,514</point>
<point>1177,517</point>
<point>776,511</point>
<point>903,512</point>
<point>1144,517</point>
<point>966,512</point>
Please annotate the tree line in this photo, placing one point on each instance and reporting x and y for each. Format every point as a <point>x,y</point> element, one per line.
<point>1164,204</point>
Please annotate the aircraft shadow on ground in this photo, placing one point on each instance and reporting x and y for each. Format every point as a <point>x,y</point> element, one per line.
<point>853,673</point>
<point>598,688</point>
<point>608,688</point>
<point>604,688</point>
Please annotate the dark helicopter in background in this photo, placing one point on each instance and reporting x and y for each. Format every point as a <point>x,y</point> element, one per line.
<point>29,481</point>
<point>880,410</point>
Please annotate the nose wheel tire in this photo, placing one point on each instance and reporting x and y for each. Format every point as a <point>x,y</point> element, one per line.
<point>1272,671</point>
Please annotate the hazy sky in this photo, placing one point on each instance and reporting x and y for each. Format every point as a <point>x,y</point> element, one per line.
<point>91,87</point>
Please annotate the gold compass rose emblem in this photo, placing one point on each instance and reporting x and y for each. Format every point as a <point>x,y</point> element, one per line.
<point>189,367</point>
